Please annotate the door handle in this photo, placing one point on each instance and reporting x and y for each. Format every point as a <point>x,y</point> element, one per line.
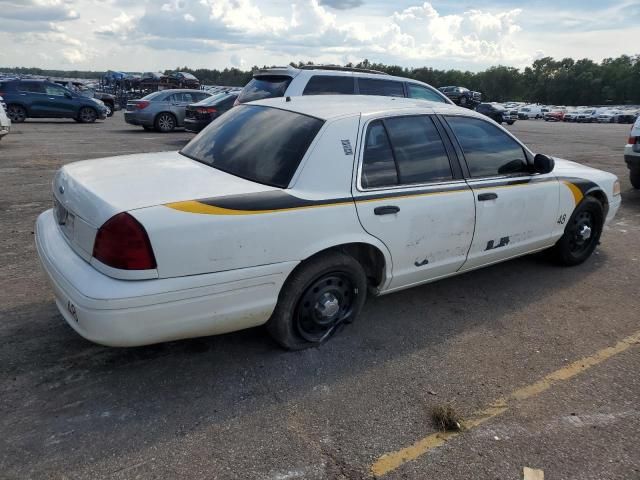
<point>483,197</point>
<point>386,210</point>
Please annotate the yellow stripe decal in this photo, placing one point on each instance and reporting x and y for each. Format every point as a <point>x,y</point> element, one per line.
<point>193,206</point>
<point>393,460</point>
<point>577,193</point>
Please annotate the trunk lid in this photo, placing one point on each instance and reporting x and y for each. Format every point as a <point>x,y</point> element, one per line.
<point>95,190</point>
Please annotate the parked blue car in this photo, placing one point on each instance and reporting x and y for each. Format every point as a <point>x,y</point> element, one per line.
<point>27,98</point>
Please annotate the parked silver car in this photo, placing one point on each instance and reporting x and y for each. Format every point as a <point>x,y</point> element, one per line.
<point>163,110</point>
<point>5,123</point>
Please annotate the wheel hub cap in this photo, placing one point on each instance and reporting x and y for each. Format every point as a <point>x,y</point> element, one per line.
<point>585,232</point>
<point>328,305</point>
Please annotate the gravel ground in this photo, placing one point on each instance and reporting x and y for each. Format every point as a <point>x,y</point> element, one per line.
<point>237,407</point>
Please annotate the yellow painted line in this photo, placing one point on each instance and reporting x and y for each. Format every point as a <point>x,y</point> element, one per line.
<point>577,193</point>
<point>392,460</point>
<point>532,474</point>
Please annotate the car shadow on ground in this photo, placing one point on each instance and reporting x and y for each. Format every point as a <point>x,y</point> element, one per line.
<point>221,377</point>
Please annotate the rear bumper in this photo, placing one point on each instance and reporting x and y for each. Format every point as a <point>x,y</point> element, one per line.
<point>127,313</point>
<point>195,125</point>
<point>138,119</point>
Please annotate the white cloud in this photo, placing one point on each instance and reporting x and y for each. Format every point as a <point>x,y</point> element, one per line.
<point>120,26</point>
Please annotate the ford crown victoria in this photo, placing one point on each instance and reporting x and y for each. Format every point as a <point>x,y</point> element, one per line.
<point>290,212</point>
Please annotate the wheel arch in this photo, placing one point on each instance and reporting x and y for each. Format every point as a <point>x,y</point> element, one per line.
<point>374,258</point>
<point>601,196</point>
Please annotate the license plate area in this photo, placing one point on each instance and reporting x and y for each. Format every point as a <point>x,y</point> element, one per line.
<point>64,218</point>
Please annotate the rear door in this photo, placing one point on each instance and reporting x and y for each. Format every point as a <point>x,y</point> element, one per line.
<point>32,94</point>
<point>410,194</point>
<point>516,211</point>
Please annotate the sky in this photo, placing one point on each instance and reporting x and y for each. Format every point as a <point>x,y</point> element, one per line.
<point>154,35</point>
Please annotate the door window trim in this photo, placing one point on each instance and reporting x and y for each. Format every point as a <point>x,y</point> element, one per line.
<point>454,164</point>
<point>460,152</point>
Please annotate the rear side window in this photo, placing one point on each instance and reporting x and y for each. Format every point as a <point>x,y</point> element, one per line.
<point>378,166</point>
<point>55,90</point>
<point>261,144</point>
<point>330,85</point>
<point>488,150</point>
<point>418,150</point>
<point>386,88</point>
<point>424,93</point>
<point>404,151</point>
<point>267,86</point>
<point>31,87</point>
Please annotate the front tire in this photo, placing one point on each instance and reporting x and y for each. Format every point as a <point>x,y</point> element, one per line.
<point>87,115</point>
<point>582,233</point>
<point>323,294</point>
<point>165,123</point>
<point>16,113</point>
<point>463,101</point>
<point>109,108</point>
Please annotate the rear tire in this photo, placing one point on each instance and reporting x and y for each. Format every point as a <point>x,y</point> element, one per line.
<point>581,235</point>
<point>165,123</point>
<point>321,295</point>
<point>634,177</point>
<point>16,113</point>
<point>87,115</point>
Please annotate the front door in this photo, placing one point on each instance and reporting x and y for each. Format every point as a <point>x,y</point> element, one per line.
<point>411,195</point>
<point>516,210</point>
<point>59,101</point>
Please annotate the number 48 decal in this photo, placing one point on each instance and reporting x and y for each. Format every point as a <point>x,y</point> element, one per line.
<point>562,219</point>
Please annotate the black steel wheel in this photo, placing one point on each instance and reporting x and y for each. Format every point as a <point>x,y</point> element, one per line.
<point>87,115</point>
<point>582,233</point>
<point>322,295</point>
<point>16,113</point>
<point>325,305</point>
<point>165,122</point>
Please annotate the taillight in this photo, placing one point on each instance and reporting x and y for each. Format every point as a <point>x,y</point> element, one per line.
<point>632,140</point>
<point>142,104</point>
<point>123,243</point>
<point>206,110</point>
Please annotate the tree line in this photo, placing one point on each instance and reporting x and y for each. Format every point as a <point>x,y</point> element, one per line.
<point>547,81</point>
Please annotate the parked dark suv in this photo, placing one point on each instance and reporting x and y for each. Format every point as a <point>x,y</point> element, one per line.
<point>44,99</point>
<point>462,96</point>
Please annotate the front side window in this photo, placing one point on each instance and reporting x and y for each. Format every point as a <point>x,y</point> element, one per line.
<point>261,144</point>
<point>487,149</point>
<point>404,151</point>
<point>423,93</point>
<point>330,85</point>
<point>374,86</point>
<point>265,86</point>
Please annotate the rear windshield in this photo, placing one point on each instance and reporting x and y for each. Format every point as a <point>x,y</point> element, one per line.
<point>267,86</point>
<point>261,144</point>
<point>155,95</point>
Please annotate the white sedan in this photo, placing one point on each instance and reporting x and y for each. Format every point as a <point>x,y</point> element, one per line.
<point>290,211</point>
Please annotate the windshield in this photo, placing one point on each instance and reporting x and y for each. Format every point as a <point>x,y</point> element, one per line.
<point>266,86</point>
<point>261,144</point>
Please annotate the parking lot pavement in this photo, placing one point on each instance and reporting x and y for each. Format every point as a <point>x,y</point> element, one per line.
<point>235,406</point>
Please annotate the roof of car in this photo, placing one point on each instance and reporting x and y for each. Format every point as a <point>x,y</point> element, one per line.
<point>333,106</point>
<point>174,90</point>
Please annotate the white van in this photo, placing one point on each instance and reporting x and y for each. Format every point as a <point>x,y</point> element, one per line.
<point>532,111</point>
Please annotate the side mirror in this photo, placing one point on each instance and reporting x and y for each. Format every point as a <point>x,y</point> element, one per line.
<point>543,163</point>
<point>68,95</point>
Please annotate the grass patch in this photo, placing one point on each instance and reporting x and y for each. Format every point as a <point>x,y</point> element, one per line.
<point>446,419</point>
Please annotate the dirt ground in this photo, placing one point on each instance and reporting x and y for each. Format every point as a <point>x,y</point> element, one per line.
<point>238,407</point>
